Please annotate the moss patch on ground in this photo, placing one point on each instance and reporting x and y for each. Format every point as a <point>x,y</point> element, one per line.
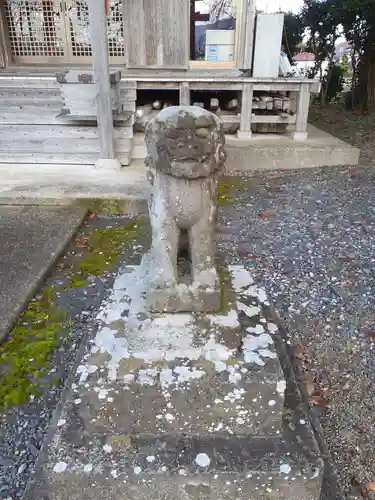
<point>105,246</point>
<point>28,351</point>
<point>229,187</point>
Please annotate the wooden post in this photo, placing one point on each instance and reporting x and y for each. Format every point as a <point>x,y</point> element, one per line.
<point>303,104</point>
<point>245,35</point>
<point>184,94</point>
<point>100,62</point>
<point>5,54</point>
<point>246,112</point>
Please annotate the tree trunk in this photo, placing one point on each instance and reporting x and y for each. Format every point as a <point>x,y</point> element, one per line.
<point>371,82</point>
<point>354,77</point>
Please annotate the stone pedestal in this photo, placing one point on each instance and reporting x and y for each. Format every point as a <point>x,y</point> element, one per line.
<point>180,406</point>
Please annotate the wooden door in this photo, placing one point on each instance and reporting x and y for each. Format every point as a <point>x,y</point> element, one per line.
<point>157,33</point>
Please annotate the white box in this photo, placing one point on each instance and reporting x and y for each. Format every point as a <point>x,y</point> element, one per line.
<point>219,45</point>
<point>267,49</point>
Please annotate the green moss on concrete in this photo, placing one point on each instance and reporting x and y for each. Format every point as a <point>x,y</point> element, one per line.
<point>229,187</point>
<point>27,353</point>
<point>105,246</point>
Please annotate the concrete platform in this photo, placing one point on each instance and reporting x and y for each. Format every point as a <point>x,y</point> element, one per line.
<point>270,152</point>
<point>273,151</point>
<point>51,184</point>
<point>32,239</point>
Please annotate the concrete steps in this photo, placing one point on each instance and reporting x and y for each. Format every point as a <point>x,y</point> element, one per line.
<point>31,130</point>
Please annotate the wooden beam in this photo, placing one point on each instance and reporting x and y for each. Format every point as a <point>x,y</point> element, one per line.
<point>100,62</point>
<point>273,119</point>
<point>246,109</point>
<point>277,87</point>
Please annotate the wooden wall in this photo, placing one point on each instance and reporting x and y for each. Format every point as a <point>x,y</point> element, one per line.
<point>157,33</point>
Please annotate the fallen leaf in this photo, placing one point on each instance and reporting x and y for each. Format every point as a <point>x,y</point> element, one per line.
<point>82,242</point>
<point>266,213</point>
<point>317,400</point>
<point>371,486</point>
<point>309,384</point>
<point>299,352</point>
<point>359,488</point>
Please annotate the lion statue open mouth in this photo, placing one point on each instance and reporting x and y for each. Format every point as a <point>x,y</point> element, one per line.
<point>185,152</point>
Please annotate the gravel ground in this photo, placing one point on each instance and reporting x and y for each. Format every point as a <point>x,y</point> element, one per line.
<point>309,236</point>
<point>23,429</point>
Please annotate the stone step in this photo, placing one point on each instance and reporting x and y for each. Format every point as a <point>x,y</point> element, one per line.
<point>66,131</point>
<point>170,467</point>
<point>181,397</point>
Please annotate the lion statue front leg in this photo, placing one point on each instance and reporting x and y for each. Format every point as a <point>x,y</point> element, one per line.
<point>165,238</point>
<point>201,238</point>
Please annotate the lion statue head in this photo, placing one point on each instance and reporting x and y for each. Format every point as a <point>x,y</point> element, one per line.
<point>186,142</point>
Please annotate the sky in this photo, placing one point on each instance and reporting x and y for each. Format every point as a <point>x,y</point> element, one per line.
<point>276,5</point>
<point>265,5</point>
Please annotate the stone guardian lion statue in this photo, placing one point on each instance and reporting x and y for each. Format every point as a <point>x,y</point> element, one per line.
<point>185,152</point>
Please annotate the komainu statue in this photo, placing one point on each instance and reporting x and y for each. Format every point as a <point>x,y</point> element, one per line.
<point>185,152</point>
